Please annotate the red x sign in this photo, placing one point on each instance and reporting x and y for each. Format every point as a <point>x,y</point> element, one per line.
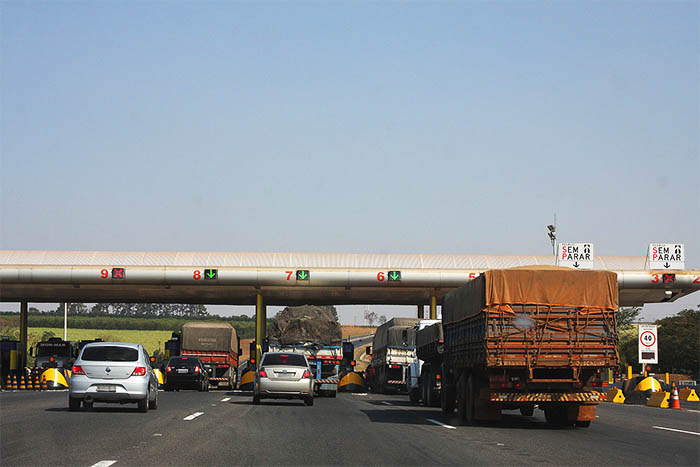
<point>669,278</point>
<point>118,273</point>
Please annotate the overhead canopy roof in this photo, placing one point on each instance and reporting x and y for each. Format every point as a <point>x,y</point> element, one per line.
<point>335,279</point>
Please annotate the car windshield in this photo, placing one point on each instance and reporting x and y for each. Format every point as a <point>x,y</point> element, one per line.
<point>284,359</point>
<point>110,353</point>
<point>48,349</point>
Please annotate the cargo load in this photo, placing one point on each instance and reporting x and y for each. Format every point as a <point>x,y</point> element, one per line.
<point>306,323</point>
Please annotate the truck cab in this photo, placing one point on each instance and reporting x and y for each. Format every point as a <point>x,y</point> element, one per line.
<point>414,368</point>
<point>54,353</point>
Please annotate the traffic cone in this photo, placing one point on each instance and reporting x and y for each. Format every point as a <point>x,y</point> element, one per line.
<point>14,381</point>
<point>43,383</point>
<point>675,400</point>
<point>8,383</point>
<point>22,385</point>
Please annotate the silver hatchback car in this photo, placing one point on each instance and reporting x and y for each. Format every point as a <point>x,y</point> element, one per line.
<point>114,372</point>
<point>284,376</point>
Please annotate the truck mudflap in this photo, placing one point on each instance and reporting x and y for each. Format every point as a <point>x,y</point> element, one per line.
<point>589,396</point>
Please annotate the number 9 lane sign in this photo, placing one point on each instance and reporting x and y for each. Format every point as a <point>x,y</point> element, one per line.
<point>648,344</point>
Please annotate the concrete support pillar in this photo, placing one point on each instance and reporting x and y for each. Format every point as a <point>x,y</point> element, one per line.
<point>260,326</point>
<point>421,312</point>
<point>23,321</point>
<point>433,307</point>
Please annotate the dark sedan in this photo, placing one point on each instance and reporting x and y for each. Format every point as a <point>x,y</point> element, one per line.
<point>186,373</point>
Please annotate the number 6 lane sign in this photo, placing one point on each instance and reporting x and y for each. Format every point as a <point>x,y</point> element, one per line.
<point>648,344</point>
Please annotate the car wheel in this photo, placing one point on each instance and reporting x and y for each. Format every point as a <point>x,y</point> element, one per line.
<point>87,405</point>
<point>73,404</point>
<point>167,388</point>
<point>143,405</point>
<point>309,400</point>
<point>206,386</point>
<point>153,405</point>
<point>256,399</point>
<point>201,386</point>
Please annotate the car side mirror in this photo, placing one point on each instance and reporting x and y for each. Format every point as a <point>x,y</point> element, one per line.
<point>31,351</point>
<point>368,350</point>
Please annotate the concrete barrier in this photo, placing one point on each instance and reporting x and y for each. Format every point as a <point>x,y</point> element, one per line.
<point>615,395</point>
<point>659,399</point>
<point>688,394</point>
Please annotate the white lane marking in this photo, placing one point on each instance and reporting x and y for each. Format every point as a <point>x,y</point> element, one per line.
<point>225,399</point>
<point>441,424</point>
<point>104,464</point>
<point>193,416</point>
<point>673,429</point>
<point>691,410</point>
<point>500,444</point>
<point>157,434</point>
<point>359,393</point>
<point>386,403</point>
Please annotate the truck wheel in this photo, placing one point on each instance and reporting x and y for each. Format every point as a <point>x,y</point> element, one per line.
<point>583,423</point>
<point>414,394</point>
<point>527,411</point>
<point>431,397</point>
<point>256,399</point>
<point>447,399</point>
<point>309,401</point>
<point>462,398</point>
<point>87,405</point>
<point>470,400</point>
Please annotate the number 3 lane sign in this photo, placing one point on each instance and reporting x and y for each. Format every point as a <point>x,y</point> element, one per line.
<point>648,344</point>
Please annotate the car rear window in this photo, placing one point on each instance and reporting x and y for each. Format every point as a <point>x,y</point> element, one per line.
<point>110,353</point>
<point>284,359</point>
<point>183,361</point>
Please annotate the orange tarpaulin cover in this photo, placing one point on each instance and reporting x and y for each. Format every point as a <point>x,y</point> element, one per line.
<point>533,285</point>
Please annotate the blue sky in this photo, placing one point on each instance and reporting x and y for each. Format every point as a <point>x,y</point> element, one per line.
<point>450,127</point>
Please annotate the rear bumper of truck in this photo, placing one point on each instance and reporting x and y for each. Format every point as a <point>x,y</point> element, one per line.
<point>587,397</point>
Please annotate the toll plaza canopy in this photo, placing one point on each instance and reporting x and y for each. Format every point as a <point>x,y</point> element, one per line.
<point>290,278</point>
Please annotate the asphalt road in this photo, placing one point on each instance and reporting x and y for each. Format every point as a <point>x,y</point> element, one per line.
<point>36,428</point>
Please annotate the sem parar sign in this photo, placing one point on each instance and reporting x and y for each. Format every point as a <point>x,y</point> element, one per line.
<point>575,255</point>
<point>666,256</point>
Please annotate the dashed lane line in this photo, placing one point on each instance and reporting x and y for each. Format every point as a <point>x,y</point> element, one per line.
<point>387,403</point>
<point>104,464</point>
<point>673,429</point>
<point>193,416</point>
<point>441,424</point>
<point>225,399</point>
<point>691,410</point>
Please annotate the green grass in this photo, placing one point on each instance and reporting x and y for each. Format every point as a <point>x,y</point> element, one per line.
<point>151,340</point>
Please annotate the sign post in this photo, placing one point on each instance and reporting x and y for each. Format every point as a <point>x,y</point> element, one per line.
<point>648,345</point>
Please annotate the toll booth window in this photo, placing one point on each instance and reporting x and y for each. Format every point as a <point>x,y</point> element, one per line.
<point>109,353</point>
<point>52,349</point>
<point>284,359</point>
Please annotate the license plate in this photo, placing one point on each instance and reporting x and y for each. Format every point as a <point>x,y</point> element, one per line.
<point>182,370</point>
<point>285,374</point>
<point>106,388</point>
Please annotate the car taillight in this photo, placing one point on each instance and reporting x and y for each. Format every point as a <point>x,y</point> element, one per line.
<point>438,377</point>
<point>307,374</point>
<point>78,370</point>
<point>169,369</point>
<point>139,371</point>
<point>51,359</point>
<point>196,369</point>
<point>262,373</point>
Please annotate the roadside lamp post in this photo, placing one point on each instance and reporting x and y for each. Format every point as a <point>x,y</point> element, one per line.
<point>553,237</point>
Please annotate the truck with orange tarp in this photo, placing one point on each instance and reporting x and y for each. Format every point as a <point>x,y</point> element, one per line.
<point>526,338</point>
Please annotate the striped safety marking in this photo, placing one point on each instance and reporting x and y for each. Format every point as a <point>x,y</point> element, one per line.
<point>326,381</point>
<point>546,397</point>
<point>395,382</point>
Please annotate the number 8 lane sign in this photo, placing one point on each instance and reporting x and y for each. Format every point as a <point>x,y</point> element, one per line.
<point>648,344</point>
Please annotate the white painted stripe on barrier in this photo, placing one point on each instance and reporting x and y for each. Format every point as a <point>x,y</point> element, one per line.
<point>225,399</point>
<point>104,463</point>
<point>673,429</point>
<point>441,424</point>
<point>193,416</point>
<point>386,403</point>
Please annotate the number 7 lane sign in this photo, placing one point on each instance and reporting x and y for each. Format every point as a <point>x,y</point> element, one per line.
<point>648,344</point>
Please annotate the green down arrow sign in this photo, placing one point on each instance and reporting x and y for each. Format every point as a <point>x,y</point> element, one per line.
<point>302,274</point>
<point>210,274</point>
<point>394,276</point>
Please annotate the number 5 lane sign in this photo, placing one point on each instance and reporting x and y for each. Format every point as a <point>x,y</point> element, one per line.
<point>648,344</point>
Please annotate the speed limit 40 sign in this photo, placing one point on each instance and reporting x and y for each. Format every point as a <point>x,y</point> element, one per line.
<point>648,344</point>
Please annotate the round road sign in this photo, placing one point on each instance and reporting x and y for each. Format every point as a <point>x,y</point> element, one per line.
<point>647,338</point>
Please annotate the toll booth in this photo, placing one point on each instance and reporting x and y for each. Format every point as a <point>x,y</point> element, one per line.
<point>9,358</point>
